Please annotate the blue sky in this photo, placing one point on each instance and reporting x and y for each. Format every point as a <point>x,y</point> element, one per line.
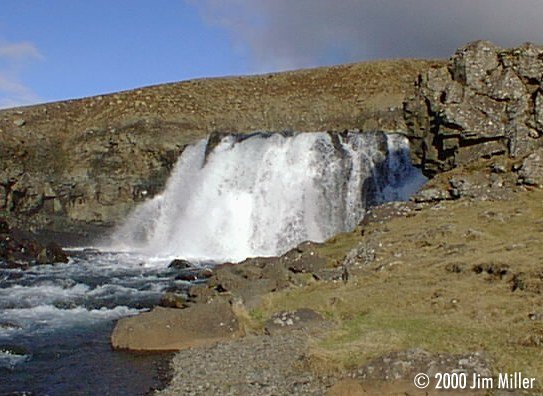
<point>61,49</point>
<point>70,48</point>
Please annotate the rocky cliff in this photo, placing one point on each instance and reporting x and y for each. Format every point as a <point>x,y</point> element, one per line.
<point>74,165</point>
<point>486,101</point>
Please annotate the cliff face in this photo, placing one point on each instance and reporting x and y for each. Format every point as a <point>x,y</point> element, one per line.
<point>486,101</point>
<point>71,165</point>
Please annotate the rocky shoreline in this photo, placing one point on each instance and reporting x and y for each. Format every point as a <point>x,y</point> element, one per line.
<point>279,347</point>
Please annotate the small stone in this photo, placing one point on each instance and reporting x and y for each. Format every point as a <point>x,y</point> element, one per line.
<point>498,168</point>
<point>173,300</point>
<point>180,264</point>
<point>19,122</point>
<point>205,273</point>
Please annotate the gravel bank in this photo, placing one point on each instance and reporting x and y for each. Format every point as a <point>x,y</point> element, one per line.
<point>254,365</point>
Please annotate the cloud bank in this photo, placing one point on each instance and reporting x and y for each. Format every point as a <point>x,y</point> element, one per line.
<point>14,58</point>
<point>285,34</point>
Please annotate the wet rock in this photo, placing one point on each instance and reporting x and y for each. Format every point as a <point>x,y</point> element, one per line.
<point>19,249</point>
<point>193,274</point>
<point>9,326</point>
<point>173,300</point>
<point>180,264</point>
<point>52,253</point>
<point>187,276</point>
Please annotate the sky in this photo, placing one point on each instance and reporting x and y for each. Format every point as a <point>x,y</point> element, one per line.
<point>64,49</point>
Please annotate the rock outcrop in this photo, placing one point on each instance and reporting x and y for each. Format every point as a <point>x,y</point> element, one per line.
<point>249,280</point>
<point>531,171</point>
<point>486,101</point>
<point>19,249</point>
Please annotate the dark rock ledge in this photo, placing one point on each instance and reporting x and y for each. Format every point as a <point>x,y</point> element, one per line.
<point>19,249</point>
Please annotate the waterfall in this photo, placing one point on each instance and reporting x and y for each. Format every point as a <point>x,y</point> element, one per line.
<point>242,196</point>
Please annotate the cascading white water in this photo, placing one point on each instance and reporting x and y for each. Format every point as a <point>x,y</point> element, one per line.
<point>264,194</point>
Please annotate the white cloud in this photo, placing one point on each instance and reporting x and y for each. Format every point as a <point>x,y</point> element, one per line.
<point>14,58</point>
<point>282,34</point>
<point>19,51</point>
<point>13,93</point>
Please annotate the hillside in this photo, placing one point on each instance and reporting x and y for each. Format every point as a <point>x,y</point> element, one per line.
<point>80,163</point>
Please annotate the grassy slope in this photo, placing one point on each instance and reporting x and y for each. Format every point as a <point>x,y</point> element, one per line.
<point>442,280</point>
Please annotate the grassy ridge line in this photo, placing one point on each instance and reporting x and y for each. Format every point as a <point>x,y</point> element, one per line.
<point>312,99</point>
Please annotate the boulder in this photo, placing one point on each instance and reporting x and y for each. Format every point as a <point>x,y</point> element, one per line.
<point>531,172</point>
<point>52,253</point>
<point>292,320</point>
<point>180,264</point>
<point>169,329</point>
<point>19,249</point>
<point>193,274</point>
<point>254,277</point>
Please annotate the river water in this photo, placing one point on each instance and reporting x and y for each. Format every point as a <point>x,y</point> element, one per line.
<point>55,323</point>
